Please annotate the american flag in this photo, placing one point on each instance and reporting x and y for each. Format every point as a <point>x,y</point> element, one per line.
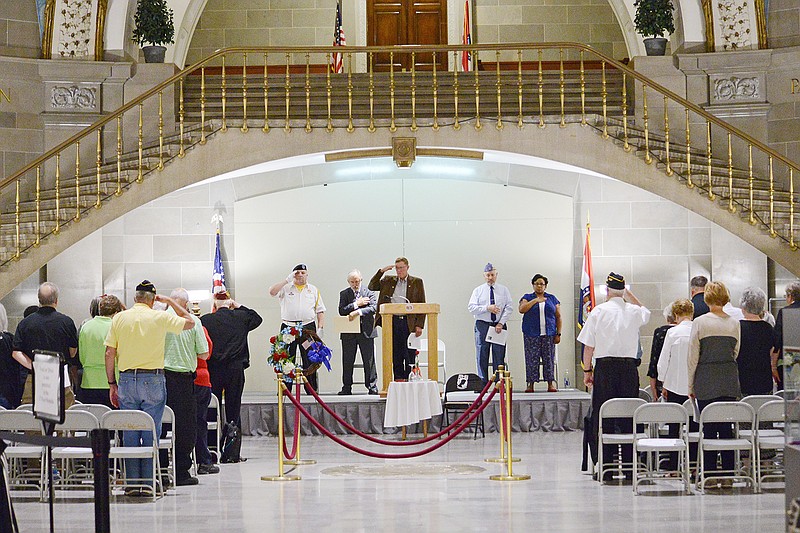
<point>466,39</point>
<point>218,277</point>
<point>337,63</point>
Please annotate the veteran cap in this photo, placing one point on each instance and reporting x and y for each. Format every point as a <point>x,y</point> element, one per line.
<point>488,268</point>
<point>301,266</point>
<point>615,281</point>
<point>146,286</point>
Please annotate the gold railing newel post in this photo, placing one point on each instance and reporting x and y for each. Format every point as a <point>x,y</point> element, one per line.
<point>297,461</point>
<point>509,476</point>
<point>281,475</point>
<point>245,127</point>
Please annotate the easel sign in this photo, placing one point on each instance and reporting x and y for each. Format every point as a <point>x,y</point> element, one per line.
<point>48,386</point>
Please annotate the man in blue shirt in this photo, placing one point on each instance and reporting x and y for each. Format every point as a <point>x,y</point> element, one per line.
<point>490,304</point>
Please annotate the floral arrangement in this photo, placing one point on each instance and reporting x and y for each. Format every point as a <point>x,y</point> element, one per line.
<point>279,356</point>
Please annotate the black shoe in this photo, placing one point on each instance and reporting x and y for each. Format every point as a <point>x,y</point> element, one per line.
<point>373,392</point>
<point>345,392</point>
<point>229,460</point>
<point>166,482</point>
<point>207,469</point>
<point>186,481</point>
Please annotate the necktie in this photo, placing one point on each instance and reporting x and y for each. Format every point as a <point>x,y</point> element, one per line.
<point>491,301</point>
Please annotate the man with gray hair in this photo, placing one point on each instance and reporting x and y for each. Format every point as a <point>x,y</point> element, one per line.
<point>136,343</point>
<point>358,302</point>
<point>792,302</point>
<point>180,363</point>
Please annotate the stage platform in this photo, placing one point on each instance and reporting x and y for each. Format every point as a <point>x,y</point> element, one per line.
<point>538,411</point>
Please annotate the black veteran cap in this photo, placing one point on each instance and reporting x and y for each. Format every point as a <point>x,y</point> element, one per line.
<point>301,266</point>
<point>615,281</point>
<point>146,286</point>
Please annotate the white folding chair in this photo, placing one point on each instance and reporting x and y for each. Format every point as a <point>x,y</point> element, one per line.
<point>73,468</point>
<point>645,395</point>
<point>24,460</point>
<point>615,408</point>
<point>134,421</point>
<point>735,413</point>
<point>25,407</point>
<point>97,409</point>
<point>441,363</point>
<point>653,415</point>
<point>769,438</point>
<point>168,443</point>
<point>214,425</point>
<point>756,401</point>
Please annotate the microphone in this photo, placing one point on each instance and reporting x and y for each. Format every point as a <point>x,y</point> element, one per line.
<point>392,299</point>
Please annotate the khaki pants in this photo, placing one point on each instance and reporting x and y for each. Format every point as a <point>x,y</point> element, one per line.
<point>27,394</point>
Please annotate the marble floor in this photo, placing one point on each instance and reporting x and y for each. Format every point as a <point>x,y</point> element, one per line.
<point>448,490</point>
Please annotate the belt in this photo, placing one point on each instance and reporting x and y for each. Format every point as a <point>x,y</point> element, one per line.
<point>135,371</point>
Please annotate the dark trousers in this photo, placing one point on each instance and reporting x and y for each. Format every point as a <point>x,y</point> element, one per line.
<point>483,347</point>
<point>180,398</point>
<point>351,342</point>
<point>402,358</point>
<point>202,397</point>
<point>672,461</point>
<point>229,381</point>
<point>298,343</point>
<point>614,377</point>
<point>94,396</point>
<point>717,430</point>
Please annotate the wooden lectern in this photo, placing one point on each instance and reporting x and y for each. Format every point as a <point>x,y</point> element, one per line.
<point>431,311</point>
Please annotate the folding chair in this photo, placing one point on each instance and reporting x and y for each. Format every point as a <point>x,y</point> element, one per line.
<point>441,361</point>
<point>653,415</point>
<point>459,393</point>
<point>756,401</point>
<point>141,422</point>
<point>24,461</point>
<point>770,438</point>
<point>614,409</point>
<point>214,419</point>
<point>167,443</point>
<point>73,467</point>
<point>645,395</point>
<point>97,409</point>
<point>735,413</point>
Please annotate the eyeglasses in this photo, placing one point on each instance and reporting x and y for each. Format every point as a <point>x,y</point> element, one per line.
<point>540,283</point>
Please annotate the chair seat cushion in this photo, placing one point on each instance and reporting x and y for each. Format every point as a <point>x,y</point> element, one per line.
<point>621,438</point>
<point>726,444</point>
<point>659,445</point>
<point>771,443</point>
<point>131,452</point>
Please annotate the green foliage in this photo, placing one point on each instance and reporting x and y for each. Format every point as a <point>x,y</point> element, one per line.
<point>153,23</point>
<point>654,17</point>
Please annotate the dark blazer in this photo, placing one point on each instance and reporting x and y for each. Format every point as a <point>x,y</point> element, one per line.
<point>347,305</point>
<point>415,294</point>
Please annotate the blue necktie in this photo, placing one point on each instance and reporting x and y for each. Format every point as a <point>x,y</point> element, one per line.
<point>491,301</point>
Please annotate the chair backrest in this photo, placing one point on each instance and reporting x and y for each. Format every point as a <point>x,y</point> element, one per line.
<point>77,420</point>
<point>645,395</point>
<point>25,407</point>
<point>757,400</point>
<point>620,407</point>
<point>214,402</point>
<point>463,382</point>
<point>772,411</point>
<point>780,394</point>
<point>168,417</point>
<point>19,420</point>
<point>128,420</point>
<point>97,409</point>
<point>732,412</point>
<point>666,413</point>
<point>687,405</point>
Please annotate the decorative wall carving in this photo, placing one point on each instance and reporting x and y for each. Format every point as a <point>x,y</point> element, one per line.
<point>74,29</point>
<point>73,97</point>
<point>736,88</point>
<point>735,25</point>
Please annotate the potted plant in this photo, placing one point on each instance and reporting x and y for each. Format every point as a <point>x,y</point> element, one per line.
<point>653,18</point>
<point>153,24</point>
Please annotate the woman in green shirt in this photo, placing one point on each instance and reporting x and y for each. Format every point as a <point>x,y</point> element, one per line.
<point>92,352</point>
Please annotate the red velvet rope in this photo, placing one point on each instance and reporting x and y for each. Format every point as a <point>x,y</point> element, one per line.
<point>503,410</point>
<point>296,428</point>
<point>376,440</point>
<point>376,455</point>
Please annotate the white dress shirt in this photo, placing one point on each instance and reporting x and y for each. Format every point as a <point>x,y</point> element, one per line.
<point>673,367</point>
<point>613,328</point>
<point>480,301</point>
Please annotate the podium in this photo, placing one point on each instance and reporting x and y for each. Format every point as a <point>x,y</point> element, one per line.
<point>431,312</point>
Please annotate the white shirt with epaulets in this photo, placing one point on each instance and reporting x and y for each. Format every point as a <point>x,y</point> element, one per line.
<point>300,304</point>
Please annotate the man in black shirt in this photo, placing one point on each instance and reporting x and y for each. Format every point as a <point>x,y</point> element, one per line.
<point>697,287</point>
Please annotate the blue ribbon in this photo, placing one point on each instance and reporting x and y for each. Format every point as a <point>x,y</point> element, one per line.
<point>319,353</point>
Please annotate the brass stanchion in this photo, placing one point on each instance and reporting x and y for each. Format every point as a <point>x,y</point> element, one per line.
<point>281,476</point>
<point>502,459</point>
<point>509,457</point>
<point>297,461</point>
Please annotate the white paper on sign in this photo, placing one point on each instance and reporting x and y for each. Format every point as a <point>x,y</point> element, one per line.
<point>497,338</point>
<point>413,342</point>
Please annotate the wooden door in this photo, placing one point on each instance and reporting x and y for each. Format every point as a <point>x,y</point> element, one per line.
<point>404,22</point>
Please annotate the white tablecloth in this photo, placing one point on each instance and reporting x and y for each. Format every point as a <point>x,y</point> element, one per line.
<point>411,401</point>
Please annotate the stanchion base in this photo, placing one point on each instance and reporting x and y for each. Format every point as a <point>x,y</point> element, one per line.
<point>300,462</point>
<point>509,478</point>
<point>502,460</point>
<point>280,478</point>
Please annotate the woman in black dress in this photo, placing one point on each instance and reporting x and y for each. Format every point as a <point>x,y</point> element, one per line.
<point>755,373</point>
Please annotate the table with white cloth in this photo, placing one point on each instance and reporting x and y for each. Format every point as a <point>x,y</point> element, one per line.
<point>408,402</point>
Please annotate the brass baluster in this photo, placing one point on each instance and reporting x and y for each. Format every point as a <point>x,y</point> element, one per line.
<point>287,87</point>
<point>604,93</point>
<point>731,207</point>
<point>583,94</point>
<point>77,181</point>
<point>182,151</point>
<point>772,232</point>
<point>119,157</point>
<point>224,98</point>
<point>139,174</point>
<point>39,206</point>
<point>792,244</point>
<point>308,92</point>
<point>750,182</point>
<point>519,87</point>
<point>689,183</point>
<point>350,127</point>
<point>435,126</point>
<point>329,126</point>
<point>160,130</point>
<point>98,163</point>
<point>498,86</point>
<point>647,157</point>
<point>668,170</point>
<point>392,125</point>
<point>245,128</point>
<point>477,85</point>
<point>16,223</point>
<point>414,91</point>
<point>57,229</point>
<point>708,160</point>
<point>541,92</point>
<point>371,127</point>
<point>456,125</point>
<point>562,124</point>
<point>202,106</point>
<point>265,127</point>
<point>626,141</point>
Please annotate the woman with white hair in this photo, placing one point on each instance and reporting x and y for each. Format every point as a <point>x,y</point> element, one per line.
<point>755,371</point>
<point>10,385</point>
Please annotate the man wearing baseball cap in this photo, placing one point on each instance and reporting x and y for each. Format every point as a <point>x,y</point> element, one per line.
<point>490,304</point>
<point>611,341</point>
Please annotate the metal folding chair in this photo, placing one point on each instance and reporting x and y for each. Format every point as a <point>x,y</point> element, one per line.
<point>612,409</point>
<point>768,437</point>
<point>653,415</point>
<point>734,413</point>
<point>134,421</point>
